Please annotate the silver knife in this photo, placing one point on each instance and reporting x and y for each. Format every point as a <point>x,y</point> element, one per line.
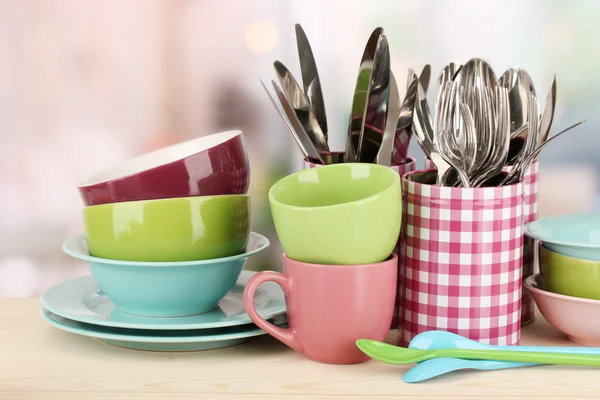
<point>384,155</point>
<point>403,129</point>
<point>375,113</point>
<point>548,114</point>
<point>297,125</point>
<point>425,77</point>
<point>295,135</point>
<point>301,106</point>
<point>310,78</point>
<point>359,99</point>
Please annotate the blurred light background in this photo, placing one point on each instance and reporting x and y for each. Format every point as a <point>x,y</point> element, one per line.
<point>85,84</point>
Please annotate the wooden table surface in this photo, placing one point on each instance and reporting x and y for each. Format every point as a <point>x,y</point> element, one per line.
<point>42,362</point>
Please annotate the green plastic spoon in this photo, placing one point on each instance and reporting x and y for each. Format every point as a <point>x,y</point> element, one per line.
<point>399,355</point>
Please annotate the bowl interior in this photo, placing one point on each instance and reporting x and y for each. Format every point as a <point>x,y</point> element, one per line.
<point>333,184</point>
<point>162,156</point>
<point>575,229</point>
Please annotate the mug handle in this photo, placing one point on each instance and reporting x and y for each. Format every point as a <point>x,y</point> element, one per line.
<point>287,336</point>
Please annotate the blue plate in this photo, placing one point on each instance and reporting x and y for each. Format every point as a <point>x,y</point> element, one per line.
<point>149,340</point>
<point>81,300</point>
<point>574,235</point>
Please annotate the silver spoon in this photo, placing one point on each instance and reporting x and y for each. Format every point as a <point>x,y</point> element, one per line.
<point>423,130</point>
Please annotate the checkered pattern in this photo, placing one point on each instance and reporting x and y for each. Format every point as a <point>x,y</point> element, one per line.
<point>461,261</point>
<point>309,164</point>
<point>530,213</point>
<point>401,143</point>
<point>428,164</point>
<point>401,170</point>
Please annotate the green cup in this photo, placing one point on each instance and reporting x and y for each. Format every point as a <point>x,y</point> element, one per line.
<point>176,229</point>
<point>338,214</point>
<point>569,276</point>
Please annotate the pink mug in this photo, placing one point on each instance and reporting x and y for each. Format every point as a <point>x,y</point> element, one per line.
<point>329,307</point>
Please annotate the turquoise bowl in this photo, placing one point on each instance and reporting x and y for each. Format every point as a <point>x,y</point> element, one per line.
<point>166,289</point>
<point>573,235</point>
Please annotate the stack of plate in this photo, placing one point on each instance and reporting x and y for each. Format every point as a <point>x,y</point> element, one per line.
<point>79,306</point>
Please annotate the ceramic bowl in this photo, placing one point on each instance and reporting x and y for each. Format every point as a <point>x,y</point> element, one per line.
<point>211,165</point>
<point>179,229</point>
<point>165,289</point>
<point>570,276</point>
<point>574,235</point>
<point>338,214</point>
<point>577,318</point>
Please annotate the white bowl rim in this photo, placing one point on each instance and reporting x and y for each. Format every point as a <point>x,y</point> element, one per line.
<point>162,156</point>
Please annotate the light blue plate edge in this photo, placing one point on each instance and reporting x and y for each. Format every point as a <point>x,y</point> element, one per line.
<point>529,231</point>
<point>97,332</point>
<point>278,308</point>
<point>174,347</point>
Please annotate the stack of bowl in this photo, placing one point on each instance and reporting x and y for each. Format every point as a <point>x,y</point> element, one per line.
<point>167,233</point>
<point>567,287</point>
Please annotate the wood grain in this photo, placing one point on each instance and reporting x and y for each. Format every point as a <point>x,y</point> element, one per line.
<point>41,362</point>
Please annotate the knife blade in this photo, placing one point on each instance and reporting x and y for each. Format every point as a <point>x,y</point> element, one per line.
<point>299,103</point>
<point>403,129</point>
<point>297,125</point>
<point>548,114</point>
<point>310,78</point>
<point>384,155</point>
<point>359,99</point>
<point>375,112</point>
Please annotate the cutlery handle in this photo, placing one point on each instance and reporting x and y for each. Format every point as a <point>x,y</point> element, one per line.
<point>287,336</point>
<point>522,356</point>
<point>570,350</point>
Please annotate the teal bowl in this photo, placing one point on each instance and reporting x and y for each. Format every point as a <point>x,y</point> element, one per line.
<point>165,289</point>
<point>573,235</point>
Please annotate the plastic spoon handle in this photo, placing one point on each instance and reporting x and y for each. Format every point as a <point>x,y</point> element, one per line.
<point>440,366</point>
<point>400,355</point>
<point>432,340</point>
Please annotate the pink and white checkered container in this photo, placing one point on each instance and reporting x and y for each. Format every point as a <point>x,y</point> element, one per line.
<point>461,260</point>
<point>401,170</point>
<point>530,213</point>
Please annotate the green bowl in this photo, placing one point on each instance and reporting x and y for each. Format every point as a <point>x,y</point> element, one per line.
<point>165,289</point>
<point>338,214</point>
<point>176,229</point>
<point>569,276</point>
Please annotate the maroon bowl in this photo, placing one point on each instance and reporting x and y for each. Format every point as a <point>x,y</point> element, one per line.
<point>211,165</point>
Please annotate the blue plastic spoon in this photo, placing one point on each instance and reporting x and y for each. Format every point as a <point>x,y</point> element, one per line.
<point>432,340</point>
